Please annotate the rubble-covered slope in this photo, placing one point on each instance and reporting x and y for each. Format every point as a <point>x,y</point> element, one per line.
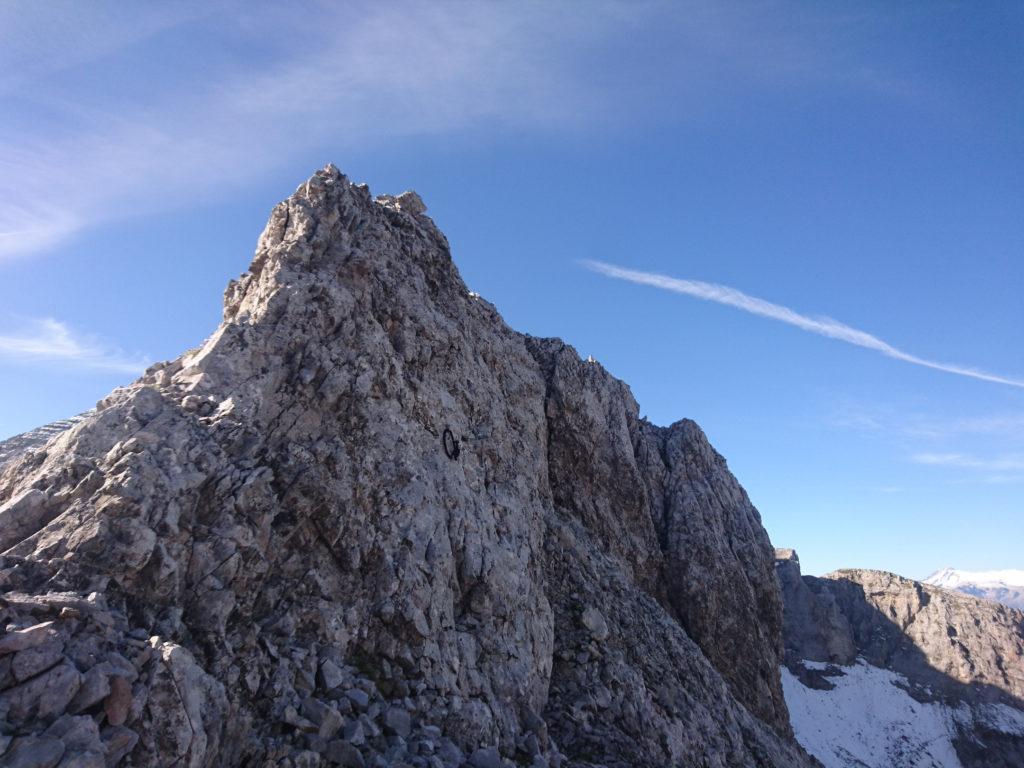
<point>366,523</point>
<point>957,661</point>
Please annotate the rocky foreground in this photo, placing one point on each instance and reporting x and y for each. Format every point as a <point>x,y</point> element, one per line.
<point>367,524</point>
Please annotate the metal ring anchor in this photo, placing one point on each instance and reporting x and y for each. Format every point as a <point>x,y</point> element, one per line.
<point>450,444</point>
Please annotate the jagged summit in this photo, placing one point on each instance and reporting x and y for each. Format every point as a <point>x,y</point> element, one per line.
<point>365,522</point>
<point>786,554</point>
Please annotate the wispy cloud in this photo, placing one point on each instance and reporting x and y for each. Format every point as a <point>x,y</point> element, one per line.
<point>823,326</point>
<point>961,449</point>
<point>75,36</point>
<point>1008,463</point>
<point>337,77</point>
<point>52,342</point>
<point>997,469</point>
<point>909,425</point>
<point>105,118</point>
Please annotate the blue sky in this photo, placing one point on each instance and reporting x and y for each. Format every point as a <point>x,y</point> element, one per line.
<point>862,162</point>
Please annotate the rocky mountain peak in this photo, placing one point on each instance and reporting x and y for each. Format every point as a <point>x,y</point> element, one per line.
<point>367,522</point>
<point>786,555</point>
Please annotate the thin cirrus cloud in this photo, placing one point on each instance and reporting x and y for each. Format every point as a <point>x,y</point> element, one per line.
<point>1009,463</point>
<point>51,342</point>
<point>964,449</point>
<point>263,88</point>
<point>926,426</point>
<point>998,469</point>
<point>823,326</point>
<point>70,159</point>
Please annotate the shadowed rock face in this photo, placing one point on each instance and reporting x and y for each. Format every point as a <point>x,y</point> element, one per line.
<point>814,626</point>
<point>365,520</point>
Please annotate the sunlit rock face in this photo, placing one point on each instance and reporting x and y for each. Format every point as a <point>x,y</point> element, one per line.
<point>366,523</point>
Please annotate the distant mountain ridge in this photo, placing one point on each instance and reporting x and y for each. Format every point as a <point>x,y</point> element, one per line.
<point>13,447</point>
<point>887,672</point>
<point>1001,586</point>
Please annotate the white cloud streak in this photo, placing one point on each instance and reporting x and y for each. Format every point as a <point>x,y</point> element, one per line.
<point>823,326</point>
<point>49,341</point>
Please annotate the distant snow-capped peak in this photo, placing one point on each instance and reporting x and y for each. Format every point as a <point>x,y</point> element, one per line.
<point>951,578</point>
<point>1006,586</point>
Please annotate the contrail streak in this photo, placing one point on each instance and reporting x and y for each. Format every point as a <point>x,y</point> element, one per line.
<point>823,326</point>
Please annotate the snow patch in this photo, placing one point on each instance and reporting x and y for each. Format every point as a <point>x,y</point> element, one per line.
<point>1005,586</point>
<point>868,721</point>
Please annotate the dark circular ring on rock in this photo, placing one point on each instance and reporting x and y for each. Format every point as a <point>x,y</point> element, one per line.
<point>450,444</point>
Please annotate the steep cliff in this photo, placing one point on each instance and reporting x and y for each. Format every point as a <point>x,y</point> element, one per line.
<point>366,523</point>
<point>814,626</point>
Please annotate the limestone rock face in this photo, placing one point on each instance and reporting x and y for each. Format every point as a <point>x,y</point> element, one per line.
<point>814,627</point>
<point>720,583</point>
<point>366,523</point>
<point>940,638</point>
